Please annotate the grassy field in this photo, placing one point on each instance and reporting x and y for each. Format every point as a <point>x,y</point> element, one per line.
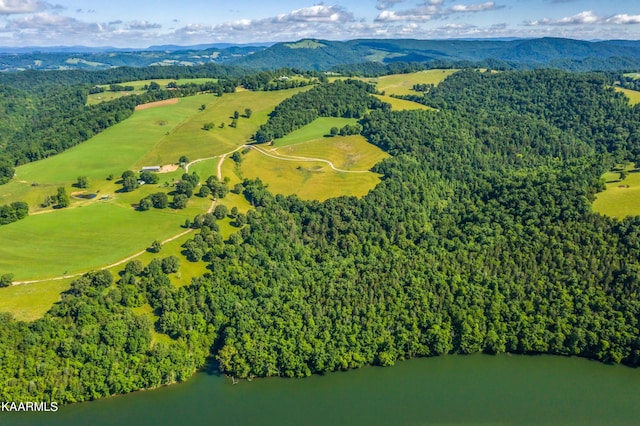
<point>309,180</point>
<point>401,104</point>
<point>622,198</point>
<point>633,95</point>
<point>189,138</point>
<point>401,84</point>
<point>76,240</point>
<point>317,129</point>
<point>30,302</point>
<point>345,152</point>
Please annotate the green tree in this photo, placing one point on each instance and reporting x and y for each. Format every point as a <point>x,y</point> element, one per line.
<point>129,183</point>
<point>248,112</point>
<point>334,131</point>
<point>208,126</point>
<point>170,264</point>
<point>204,192</point>
<point>180,201</point>
<point>62,198</point>
<point>6,280</point>
<point>82,182</point>
<point>145,204</point>
<point>236,115</point>
<point>220,212</point>
<point>156,246</point>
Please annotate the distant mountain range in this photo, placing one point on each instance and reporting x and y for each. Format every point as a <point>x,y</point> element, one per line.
<point>324,55</point>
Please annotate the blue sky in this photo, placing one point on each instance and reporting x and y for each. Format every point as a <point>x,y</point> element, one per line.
<point>141,23</point>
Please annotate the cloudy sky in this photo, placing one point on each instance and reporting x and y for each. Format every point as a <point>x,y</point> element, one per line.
<point>141,23</point>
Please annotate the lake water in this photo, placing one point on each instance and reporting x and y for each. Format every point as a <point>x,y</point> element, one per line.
<point>476,389</point>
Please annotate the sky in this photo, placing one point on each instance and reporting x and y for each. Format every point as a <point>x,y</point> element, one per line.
<point>143,23</point>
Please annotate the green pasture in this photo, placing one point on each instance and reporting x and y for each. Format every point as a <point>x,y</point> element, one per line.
<point>318,128</point>
<point>189,138</point>
<point>98,98</point>
<point>401,84</point>
<point>75,240</point>
<point>31,301</point>
<point>345,152</point>
<point>633,95</point>
<point>309,180</point>
<point>401,104</point>
<point>116,149</point>
<point>621,198</point>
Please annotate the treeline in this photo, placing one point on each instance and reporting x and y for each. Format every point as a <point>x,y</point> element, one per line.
<point>61,118</point>
<point>35,80</point>
<point>348,99</point>
<point>281,79</point>
<point>13,212</point>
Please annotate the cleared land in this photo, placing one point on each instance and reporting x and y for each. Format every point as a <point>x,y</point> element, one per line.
<point>345,152</point>
<point>401,104</point>
<point>621,198</point>
<point>317,129</point>
<point>309,180</point>
<point>633,95</point>
<point>188,138</point>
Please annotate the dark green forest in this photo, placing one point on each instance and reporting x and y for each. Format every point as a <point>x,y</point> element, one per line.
<point>479,238</point>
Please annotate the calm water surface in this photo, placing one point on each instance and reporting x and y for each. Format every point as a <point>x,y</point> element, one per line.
<point>475,389</point>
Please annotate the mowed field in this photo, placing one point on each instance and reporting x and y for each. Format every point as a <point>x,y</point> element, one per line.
<point>401,84</point>
<point>188,138</point>
<point>288,167</point>
<point>633,95</point>
<point>345,152</point>
<point>621,198</point>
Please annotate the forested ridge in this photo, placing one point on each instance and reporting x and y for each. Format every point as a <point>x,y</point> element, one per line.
<point>480,237</point>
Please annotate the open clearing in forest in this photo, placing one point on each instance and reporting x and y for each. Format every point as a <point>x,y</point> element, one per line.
<point>621,198</point>
<point>318,128</point>
<point>401,104</point>
<point>345,152</point>
<point>401,84</point>
<point>633,95</point>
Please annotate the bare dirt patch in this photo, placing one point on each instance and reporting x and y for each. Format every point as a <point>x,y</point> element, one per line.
<point>171,101</point>
<point>168,168</point>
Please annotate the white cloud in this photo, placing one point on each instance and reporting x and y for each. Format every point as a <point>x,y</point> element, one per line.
<point>461,8</point>
<point>433,9</point>
<point>587,17</point>
<point>387,4</point>
<point>143,25</point>
<point>315,21</point>
<point>623,19</point>
<point>11,7</point>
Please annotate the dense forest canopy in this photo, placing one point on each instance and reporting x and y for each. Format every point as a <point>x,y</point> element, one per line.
<point>480,237</point>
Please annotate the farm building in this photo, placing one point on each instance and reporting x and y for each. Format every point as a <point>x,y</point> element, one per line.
<point>150,169</point>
